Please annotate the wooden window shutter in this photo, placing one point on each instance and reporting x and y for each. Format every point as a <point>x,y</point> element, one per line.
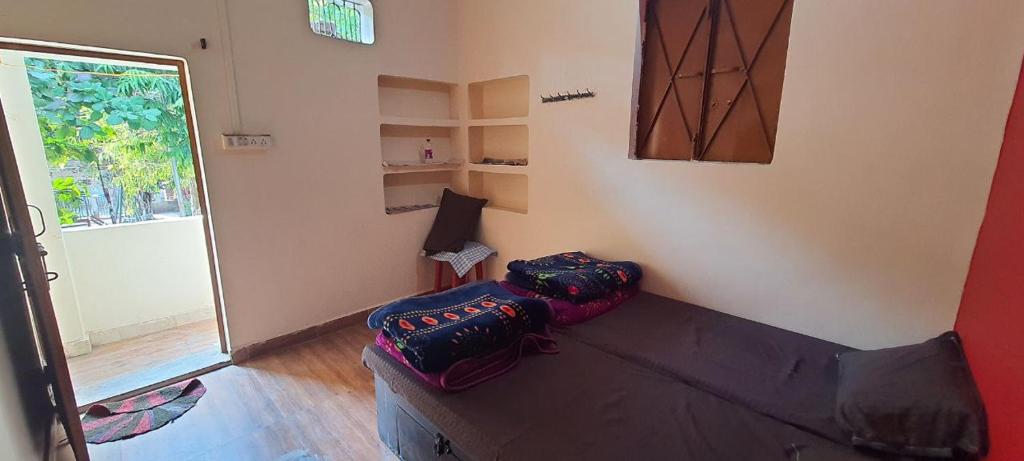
<point>711,79</point>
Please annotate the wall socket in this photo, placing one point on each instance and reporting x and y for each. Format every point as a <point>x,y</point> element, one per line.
<point>247,142</point>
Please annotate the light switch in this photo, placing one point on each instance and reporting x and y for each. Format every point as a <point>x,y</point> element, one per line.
<point>247,142</point>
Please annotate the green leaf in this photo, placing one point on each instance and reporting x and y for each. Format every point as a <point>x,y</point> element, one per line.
<point>42,75</point>
<point>65,131</point>
<point>86,133</point>
<point>152,114</point>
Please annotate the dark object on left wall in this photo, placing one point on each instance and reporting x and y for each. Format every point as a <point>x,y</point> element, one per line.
<point>917,400</point>
<point>455,223</point>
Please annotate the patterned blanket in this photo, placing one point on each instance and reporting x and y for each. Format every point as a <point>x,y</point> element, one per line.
<point>436,331</point>
<point>573,276</point>
<point>470,372</point>
<point>565,313</point>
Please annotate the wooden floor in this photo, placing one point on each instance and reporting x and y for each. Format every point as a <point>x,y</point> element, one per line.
<point>116,368</point>
<point>315,399</point>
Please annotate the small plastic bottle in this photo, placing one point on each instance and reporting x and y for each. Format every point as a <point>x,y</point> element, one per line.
<point>428,152</point>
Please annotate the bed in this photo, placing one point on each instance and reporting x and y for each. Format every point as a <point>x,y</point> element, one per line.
<point>654,379</point>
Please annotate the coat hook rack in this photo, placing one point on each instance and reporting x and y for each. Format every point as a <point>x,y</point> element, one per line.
<point>568,96</point>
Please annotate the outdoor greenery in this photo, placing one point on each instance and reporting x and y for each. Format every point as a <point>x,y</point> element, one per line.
<point>122,127</point>
<point>336,18</point>
<point>69,197</point>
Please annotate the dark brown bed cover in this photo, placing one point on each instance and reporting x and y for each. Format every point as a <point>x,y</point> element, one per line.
<point>654,379</point>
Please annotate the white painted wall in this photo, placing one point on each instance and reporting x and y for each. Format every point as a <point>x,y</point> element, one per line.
<point>135,273</point>
<point>301,230</point>
<point>861,230</point>
<point>20,113</point>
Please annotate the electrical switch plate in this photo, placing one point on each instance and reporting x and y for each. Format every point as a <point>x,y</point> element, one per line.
<point>247,142</point>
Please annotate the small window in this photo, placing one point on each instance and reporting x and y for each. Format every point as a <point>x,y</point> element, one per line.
<point>711,79</point>
<point>350,20</point>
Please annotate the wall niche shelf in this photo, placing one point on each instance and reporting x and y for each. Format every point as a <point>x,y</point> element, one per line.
<point>413,191</point>
<point>412,98</point>
<point>411,112</point>
<point>498,121</point>
<point>421,122</point>
<point>500,98</point>
<point>500,142</point>
<point>401,144</point>
<point>408,209</point>
<point>465,125</point>
<point>504,169</point>
<point>508,192</point>
<point>421,168</point>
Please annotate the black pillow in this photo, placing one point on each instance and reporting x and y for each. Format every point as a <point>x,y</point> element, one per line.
<point>455,223</point>
<point>915,400</point>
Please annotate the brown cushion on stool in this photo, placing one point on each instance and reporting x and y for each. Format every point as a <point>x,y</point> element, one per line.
<point>455,223</point>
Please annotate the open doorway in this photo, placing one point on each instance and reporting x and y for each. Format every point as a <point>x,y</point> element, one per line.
<point>108,159</point>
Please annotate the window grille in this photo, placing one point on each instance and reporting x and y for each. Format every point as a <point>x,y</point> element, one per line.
<point>350,20</point>
<point>711,79</point>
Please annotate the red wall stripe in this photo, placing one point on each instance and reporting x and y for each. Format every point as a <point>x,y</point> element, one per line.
<point>991,317</point>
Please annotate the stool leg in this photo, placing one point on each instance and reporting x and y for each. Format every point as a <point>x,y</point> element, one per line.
<point>480,270</point>
<point>438,273</point>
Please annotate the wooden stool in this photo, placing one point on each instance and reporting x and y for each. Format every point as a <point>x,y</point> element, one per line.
<point>456,280</point>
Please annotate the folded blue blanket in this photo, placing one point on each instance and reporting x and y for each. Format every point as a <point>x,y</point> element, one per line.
<point>573,276</point>
<point>436,331</point>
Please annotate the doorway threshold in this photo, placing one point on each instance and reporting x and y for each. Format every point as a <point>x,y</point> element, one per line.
<point>125,368</point>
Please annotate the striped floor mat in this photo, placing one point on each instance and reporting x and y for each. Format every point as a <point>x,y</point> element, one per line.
<point>106,422</point>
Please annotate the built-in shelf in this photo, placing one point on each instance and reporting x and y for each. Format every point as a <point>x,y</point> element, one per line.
<point>498,121</point>
<point>417,188</point>
<point>409,208</point>
<point>418,122</point>
<point>500,98</point>
<point>509,192</point>
<point>421,168</point>
<point>414,98</point>
<point>412,111</point>
<point>488,168</point>
<point>501,142</point>
<point>402,144</point>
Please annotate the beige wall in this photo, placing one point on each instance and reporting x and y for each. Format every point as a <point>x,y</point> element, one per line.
<point>134,274</point>
<point>301,231</point>
<point>860,231</point>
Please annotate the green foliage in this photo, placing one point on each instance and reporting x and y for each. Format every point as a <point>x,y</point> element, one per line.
<point>81,100</point>
<point>128,123</point>
<point>328,18</point>
<point>69,198</point>
<point>141,165</point>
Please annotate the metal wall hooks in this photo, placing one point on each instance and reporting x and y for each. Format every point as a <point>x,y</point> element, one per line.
<point>568,96</point>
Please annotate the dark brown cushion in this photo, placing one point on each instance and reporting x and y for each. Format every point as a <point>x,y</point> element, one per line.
<point>455,223</point>
<point>915,400</point>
